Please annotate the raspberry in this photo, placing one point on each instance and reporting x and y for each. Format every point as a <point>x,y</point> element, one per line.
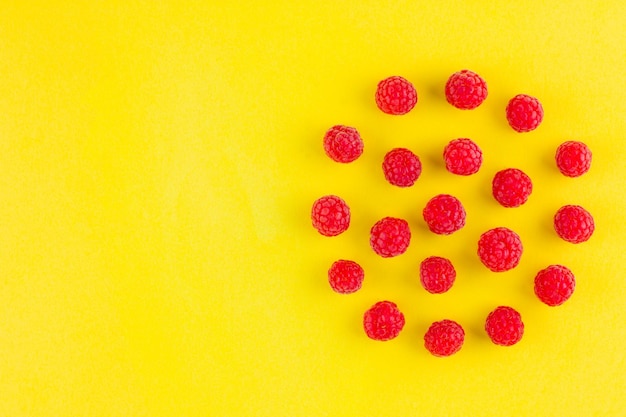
<point>345,277</point>
<point>554,285</point>
<point>444,214</point>
<point>511,187</point>
<point>500,249</point>
<point>401,167</point>
<point>396,95</point>
<point>573,158</point>
<point>343,144</point>
<point>390,237</point>
<point>330,215</point>
<point>437,274</point>
<point>463,157</point>
<point>383,321</point>
<point>524,113</point>
<point>504,326</point>
<point>466,90</point>
<point>574,224</point>
<point>444,338</point>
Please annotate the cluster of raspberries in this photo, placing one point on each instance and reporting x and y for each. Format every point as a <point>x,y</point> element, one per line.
<point>499,249</point>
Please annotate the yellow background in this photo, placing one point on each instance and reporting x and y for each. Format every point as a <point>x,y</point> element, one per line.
<point>158,162</point>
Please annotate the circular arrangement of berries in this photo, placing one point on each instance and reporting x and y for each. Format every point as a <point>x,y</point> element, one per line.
<point>499,249</point>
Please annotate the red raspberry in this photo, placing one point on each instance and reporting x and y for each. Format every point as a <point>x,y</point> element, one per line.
<point>444,338</point>
<point>524,113</point>
<point>330,215</point>
<point>574,224</point>
<point>511,187</point>
<point>463,157</point>
<point>390,237</point>
<point>396,95</point>
<point>437,274</point>
<point>345,277</point>
<point>383,321</point>
<point>554,285</point>
<point>573,158</point>
<point>500,249</point>
<point>401,167</point>
<point>343,144</point>
<point>444,214</point>
<point>466,90</point>
<point>504,326</point>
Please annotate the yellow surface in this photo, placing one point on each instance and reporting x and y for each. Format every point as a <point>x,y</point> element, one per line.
<point>158,162</point>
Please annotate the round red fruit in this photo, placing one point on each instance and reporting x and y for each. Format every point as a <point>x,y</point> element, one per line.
<point>462,157</point>
<point>574,224</point>
<point>396,95</point>
<point>444,214</point>
<point>504,326</point>
<point>383,321</point>
<point>345,277</point>
<point>524,113</point>
<point>437,274</point>
<point>343,144</point>
<point>466,90</point>
<point>511,187</point>
<point>554,285</point>
<point>330,215</point>
<point>500,249</point>
<point>573,158</point>
<point>401,167</point>
<point>390,237</point>
<point>444,338</point>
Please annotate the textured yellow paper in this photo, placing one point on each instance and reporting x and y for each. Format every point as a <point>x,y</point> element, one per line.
<point>158,162</point>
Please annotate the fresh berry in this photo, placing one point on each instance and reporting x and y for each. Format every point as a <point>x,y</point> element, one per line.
<point>573,158</point>
<point>504,326</point>
<point>396,95</point>
<point>383,321</point>
<point>444,214</point>
<point>444,338</point>
<point>466,90</point>
<point>573,224</point>
<point>511,187</point>
<point>401,167</point>
<point>462,157</point>
<point>330,215</point>
<point>390,237</point>
<point>343,144</point>
<point>500,249</point>
<point>437,274</point>
<point>345,277</point>
<point>554,285</point>
<point>524,113</point>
